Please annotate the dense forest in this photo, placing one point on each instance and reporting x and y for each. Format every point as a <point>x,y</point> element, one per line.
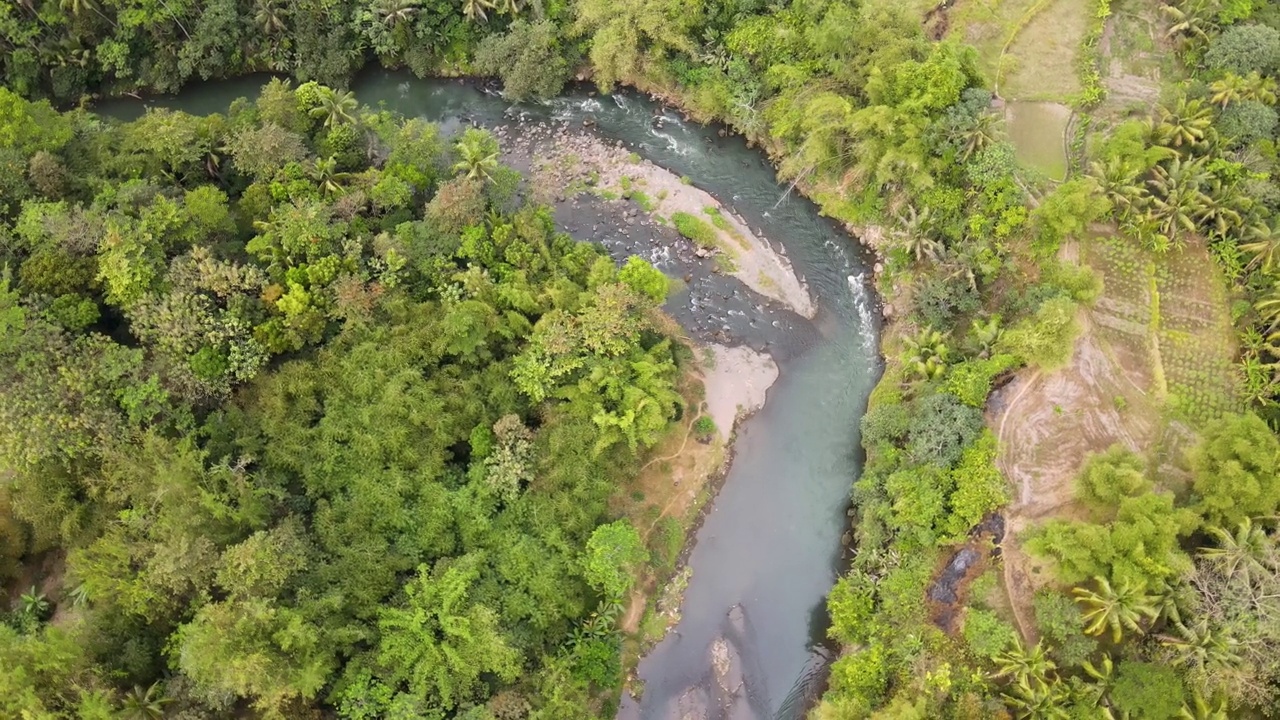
<point>324,419</point>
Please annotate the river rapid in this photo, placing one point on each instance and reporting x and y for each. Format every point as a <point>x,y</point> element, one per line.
<point>769,548</point>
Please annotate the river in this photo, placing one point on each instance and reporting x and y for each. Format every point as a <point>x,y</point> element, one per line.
<point>769,548</point>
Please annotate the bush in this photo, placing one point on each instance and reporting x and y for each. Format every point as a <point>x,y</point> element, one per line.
<point>862,674</point>
<point>979,487</point>
<point>527,58</point>
<point>885,423</point>
<point>696,229</point>
<point>1246,122</point>
<point>970,381</point>
<point>851,605</point>
<point>1047,338</point>
<point>1236,470</point>
<point>1060,623</point>
<point>704,427</point>
<point>941,428</point>
<point>986,634</point>
<point>1148,690</point>
<point>940,299</point>
<point>1244,49</point>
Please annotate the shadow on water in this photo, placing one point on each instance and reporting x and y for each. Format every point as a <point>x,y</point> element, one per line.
<point>769,549</point>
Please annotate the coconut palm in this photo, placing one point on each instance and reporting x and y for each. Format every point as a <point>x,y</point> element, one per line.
<point>337,107</point>
<point>1201,709</point>
<point>1226,90</point>
<point>1191,19</point>
<point>1115,608</point>
<point>926,354</point>
<point>1018,663</point>
<point>1245,554</point>
<point>1187,123</point>
<point>1259,89</point>
<point>1118,181</point>
<point>511,7</point>
<point>140,704</point>
<point>1177,198</point>
<point>984,335</point>
<point>978,135</point>
<point>477,10</point>
<point>1224,208</point>
<point>78,7</point>
<point>477,155</point>
<point>1268,306</point>
<point>1263,244</point>
<point>325,174</point>
<point>269,15</point>
<point>394,12</point>
<point>1034,700</point>
<point>1201,647</point>
<point>913,233</point>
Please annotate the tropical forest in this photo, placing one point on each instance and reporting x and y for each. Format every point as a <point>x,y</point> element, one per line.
<point>643,359</point>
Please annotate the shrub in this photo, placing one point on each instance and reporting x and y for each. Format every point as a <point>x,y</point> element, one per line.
<point>1246,122</point>
<point>862,674</point>
<point>970,381</point>
<point>851,605</point>
<point>885,423</point>
<point>1148,690</point>
<point>1244,49</point>
<point>527,58</point>
<point>704,427</point>
<point>1045,339</point>
<point>1236,470</point>
<point>939,299</point>
<point>1060,623</point>
<point>941,428</point>
<point>979,487</point>
<point>986,634</point>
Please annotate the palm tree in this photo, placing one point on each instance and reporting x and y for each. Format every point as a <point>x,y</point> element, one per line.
<point>1191,19</point>
<point>1177,199</point>
<point>78,7</point>
<point>476,10</point>
<point>511,7</point>
<point>1118,182</point>
<point>1268,306</point>
<point>1263,245</point>
<point>1224,208</point>
<point>325,174</point>
<point>926,354</point>
<point>142,704</point>
<point>1227,90</point>
<point>1201,709</point>
<point>976,136</point>
<point>913,233</point>
<point>1201,648</point>
<point>1034,700</point>
<point>1245,554</point>
<point>477,155</point>
<point>985,335</point>
<point>336,107</point>
<point>1259,89</point>
<point>394,12</point>
<point>1123,606</point>
<point>1020,664</point>
<point>34,604</point>
<point>269,15</point>
<point>1187,123</point>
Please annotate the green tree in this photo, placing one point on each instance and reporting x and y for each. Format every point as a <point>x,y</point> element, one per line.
<point>624,37</point>
<point>1235,470</point>
<point>336,107</point>
<point>477,153</point>
<point>440,643</point>
<point>614,553</point>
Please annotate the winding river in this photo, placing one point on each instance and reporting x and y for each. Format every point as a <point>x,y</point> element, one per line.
<point>769,548</point>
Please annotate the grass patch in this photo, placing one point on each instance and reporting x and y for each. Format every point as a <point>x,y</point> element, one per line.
<point>696,229</point>
<point>645,202</point>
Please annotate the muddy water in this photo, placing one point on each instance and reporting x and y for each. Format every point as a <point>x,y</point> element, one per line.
<point>768,551</point>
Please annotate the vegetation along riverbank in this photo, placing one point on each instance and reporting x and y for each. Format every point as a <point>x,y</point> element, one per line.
<point>1083,344</point>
